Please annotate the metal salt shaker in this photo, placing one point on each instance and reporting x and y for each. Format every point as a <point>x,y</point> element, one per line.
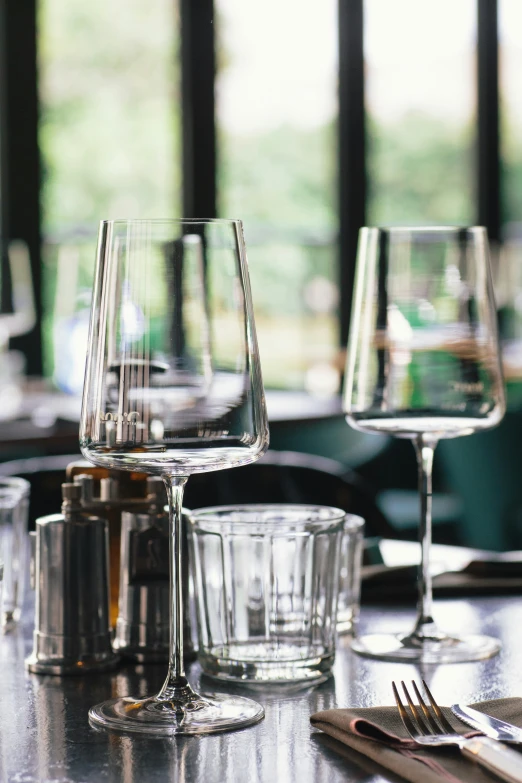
<point>72,634</point>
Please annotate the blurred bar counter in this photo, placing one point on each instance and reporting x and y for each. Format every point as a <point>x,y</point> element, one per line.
<point>47,424</point>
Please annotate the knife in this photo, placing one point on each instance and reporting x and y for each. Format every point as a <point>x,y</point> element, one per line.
<point>491,727</point>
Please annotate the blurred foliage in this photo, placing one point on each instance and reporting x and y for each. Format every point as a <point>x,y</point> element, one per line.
<point>109,127</point>
<point>282,184</point>
<point>283,180</point>
<point>110,140</point>
<point>281,271</point>
<point>421,172</point>
<point>511,172</point>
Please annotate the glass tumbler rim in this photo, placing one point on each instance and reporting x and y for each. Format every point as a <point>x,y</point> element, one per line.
<point>9,498</point>
<point>353,523</point>
<point>268,518</point>
<point>15,484</point>
<point>173,221</point>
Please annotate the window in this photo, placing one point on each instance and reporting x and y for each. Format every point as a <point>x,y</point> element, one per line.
<point>421,111</point>
<point>276,118</point>
<point>509,273</point>
<point>119,84</point>
<point>109,139</point>
<point>510,51</point>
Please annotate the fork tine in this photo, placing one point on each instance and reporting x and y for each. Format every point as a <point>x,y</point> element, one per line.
<point>422,726</point>
<point>427,714</point>
<point>438,712</point>
<point>408,725</point>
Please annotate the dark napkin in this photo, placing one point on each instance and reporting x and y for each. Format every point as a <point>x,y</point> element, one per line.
<point>378,733</point>
<point>484,576</point>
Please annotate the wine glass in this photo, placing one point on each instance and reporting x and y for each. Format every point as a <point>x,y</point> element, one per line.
<point>423,363</point>
<point>173,387</point>
<point>17,317</point>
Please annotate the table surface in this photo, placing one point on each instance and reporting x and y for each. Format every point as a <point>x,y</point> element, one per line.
<point>45,734</point>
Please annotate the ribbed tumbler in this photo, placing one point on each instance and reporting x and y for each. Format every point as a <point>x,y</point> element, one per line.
<point>350,564</point>
<point>266,585</point>
<point>14,548</point>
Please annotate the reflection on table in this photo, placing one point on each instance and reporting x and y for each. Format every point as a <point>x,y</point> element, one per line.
<point>45,735</point>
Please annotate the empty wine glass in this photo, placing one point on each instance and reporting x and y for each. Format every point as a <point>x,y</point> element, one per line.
<point>17,317</point>
<point>423,363</point>
<point>173,387</point>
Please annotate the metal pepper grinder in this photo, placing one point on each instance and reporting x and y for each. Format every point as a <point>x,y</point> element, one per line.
<point>142,627</point>
<point>72,634</point>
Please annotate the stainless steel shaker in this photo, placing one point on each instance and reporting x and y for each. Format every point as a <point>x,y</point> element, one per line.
<point>72,634</point>
<point>142,627</point>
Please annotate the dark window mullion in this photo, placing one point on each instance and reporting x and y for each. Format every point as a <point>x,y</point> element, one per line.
<point>3,121</point>
<point>352,161</point>
<point>198,67</point>
<point>488,142</point>
<point>20,162</point>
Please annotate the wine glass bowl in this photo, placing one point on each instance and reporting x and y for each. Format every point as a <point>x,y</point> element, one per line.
<point>180,384</point>
<point>423,363</point>
<point>173,387</point>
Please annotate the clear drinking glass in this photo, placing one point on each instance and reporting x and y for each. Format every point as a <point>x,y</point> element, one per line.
<point>423,363</point>
<point>266,586</point>
<point>17,317</point>
<point>173,387</point>
<point>14,547</point>
<point>350,563</point>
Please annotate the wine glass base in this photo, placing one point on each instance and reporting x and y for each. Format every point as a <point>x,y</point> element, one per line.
<point>409,648</point>
<point>151,716</point>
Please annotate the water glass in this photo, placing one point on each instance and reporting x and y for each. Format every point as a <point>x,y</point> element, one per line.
<point>266,586</point>
<point>350,574</point>
<point>14,547</point>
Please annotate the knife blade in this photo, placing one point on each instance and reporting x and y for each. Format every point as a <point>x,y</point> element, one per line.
<point>491,727</point>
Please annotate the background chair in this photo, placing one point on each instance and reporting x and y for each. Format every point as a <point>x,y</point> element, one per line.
<point>290,477</point>
<point>278,477</point>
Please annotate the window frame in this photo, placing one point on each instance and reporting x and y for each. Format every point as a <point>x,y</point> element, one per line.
<point>20,163</point>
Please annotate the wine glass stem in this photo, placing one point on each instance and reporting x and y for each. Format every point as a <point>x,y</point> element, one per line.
<point>176,685</point>
<point>424,449</point>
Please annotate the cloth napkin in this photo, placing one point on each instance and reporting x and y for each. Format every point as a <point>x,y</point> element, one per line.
<point>378,734</point>
<point>478,577</point>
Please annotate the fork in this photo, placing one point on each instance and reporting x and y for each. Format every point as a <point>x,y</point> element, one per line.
<point>432,729</point>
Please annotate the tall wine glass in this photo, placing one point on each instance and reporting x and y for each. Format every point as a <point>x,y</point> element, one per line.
<point>423,363</point>
<point>173,387</point>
